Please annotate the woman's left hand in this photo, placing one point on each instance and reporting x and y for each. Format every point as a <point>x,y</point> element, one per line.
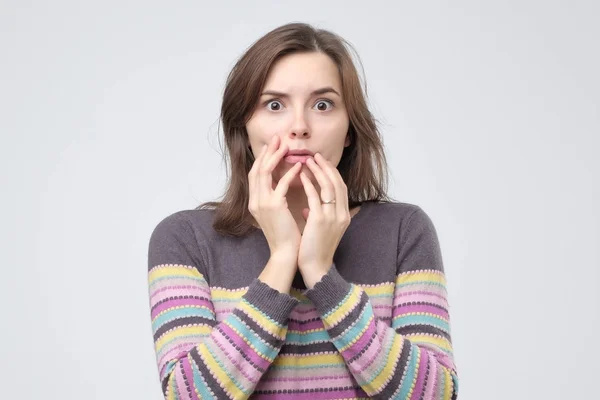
<point>326,223</point>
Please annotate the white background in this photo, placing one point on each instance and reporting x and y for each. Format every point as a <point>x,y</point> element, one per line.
<point>109,116</point>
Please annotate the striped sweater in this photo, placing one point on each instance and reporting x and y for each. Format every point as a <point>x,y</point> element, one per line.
<point>376,326</point>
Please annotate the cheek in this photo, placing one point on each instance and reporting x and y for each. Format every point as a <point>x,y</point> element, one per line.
<point>261,129</point>
<point>334,133</point>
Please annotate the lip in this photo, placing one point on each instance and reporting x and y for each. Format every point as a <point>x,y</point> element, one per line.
<point>300,152</point>
<point>301,156</point>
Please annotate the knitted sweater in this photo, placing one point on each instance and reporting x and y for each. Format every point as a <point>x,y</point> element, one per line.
<point>376,326</point>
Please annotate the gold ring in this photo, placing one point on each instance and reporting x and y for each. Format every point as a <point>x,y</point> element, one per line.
<point>328,202</point>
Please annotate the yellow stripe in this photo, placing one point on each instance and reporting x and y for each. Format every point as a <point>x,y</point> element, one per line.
<point>439,342</point>
<point>198,330</point>
<point>336,316</point>
<point>195,307</point>
<point>431,276</point>
<point>174,270</point>
<point>221,376</point>
<point>270,326</point>
<point>379,290</point>
<point>303,361</point>
<point>448,385</point>
<point>172,384</point>
<point>380,380</point>
<point>224,294</point>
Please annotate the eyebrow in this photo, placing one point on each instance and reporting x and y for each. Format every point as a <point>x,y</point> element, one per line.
<point>324,90</point>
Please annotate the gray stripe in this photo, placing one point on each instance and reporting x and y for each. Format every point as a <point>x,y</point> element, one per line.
<point>208,378</point>
<point>305,349</point>
<point>194,320</point>
<point>418,329</point>
<point>177,298</point>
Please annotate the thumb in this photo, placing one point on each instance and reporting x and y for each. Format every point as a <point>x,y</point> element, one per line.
<point>305,212</point>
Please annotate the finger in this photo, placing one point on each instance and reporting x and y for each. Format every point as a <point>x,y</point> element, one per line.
<point>314,201</point>
<point>257,161</point>
<point>284,183</point>
<point>265,179</point>
<point>327,189</point>
<point>305,213</point>
<point>276,157</point>
<point>252,177</point>
<point>340,188</point>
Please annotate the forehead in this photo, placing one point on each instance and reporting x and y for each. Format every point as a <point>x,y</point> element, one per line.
<point>303,72</point>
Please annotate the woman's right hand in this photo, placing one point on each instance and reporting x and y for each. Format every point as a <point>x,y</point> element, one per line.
<point>268,205</point>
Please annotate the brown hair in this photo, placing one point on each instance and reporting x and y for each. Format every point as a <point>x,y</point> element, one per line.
<point>362,166</point>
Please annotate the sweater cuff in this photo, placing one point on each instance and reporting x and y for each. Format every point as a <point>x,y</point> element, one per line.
<point>271,302</point>
<point>329,292</point>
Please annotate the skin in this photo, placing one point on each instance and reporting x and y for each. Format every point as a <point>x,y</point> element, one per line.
<point>301,107</point>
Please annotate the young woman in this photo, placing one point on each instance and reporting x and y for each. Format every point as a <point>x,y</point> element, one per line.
<point>306,280</point>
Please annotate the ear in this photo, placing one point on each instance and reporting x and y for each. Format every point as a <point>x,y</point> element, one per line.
<point>347,141</point>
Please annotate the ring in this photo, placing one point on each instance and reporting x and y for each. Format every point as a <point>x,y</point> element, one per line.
<point>328,202</point>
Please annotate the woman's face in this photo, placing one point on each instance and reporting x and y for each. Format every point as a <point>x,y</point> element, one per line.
<point>301,102</point>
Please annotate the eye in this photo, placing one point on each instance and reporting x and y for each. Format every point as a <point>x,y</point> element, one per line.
<point>274,105</point>
<point>322,105</point>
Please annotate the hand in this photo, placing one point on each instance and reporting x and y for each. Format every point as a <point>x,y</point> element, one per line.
<point>269,208</point>
<point>325,223</point>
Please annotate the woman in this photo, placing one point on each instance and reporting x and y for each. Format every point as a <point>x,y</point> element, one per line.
<point>306,280</point>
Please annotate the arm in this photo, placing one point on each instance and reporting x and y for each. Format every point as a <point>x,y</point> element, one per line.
<point>413,358</point>
<point>197,357</point>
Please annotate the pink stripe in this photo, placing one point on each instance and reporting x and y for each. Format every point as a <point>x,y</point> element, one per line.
<point>189,376</point>
<point>301,383</point>
<point>298,327</point>
<point>239,342</point>
<point>421,373</point>
<point>307,378</point>
<point>432,382</point>
<point>184,289</point>
<point>180,302</point>
<point>311,310</point>
<point>374,351</point>
<point>361,343</point>
<point>420,308</point>
<point>171,353</point>
<point>418,294</point>
<point>328,395</point>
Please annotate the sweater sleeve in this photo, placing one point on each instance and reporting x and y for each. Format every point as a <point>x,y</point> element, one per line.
<point>412,358</point>
<point>198,357</point>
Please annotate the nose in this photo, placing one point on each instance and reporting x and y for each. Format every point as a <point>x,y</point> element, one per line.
<point>299,128</point>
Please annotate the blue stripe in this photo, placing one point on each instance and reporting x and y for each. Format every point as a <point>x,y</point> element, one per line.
<point>307,338</point>
<point>251,336</point>
<point>410,373</point>
<point>355,330</point>
<point>180,313</point>
<point>199,382</point>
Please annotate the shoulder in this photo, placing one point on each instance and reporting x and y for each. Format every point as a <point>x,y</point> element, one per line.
<point>196,224</point>
<point>404,215</point>
<point>406,221</point>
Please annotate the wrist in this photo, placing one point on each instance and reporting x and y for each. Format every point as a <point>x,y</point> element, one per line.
<point>314,272</point>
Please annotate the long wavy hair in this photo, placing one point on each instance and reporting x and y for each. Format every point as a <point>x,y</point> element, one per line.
<point>363,165</point>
